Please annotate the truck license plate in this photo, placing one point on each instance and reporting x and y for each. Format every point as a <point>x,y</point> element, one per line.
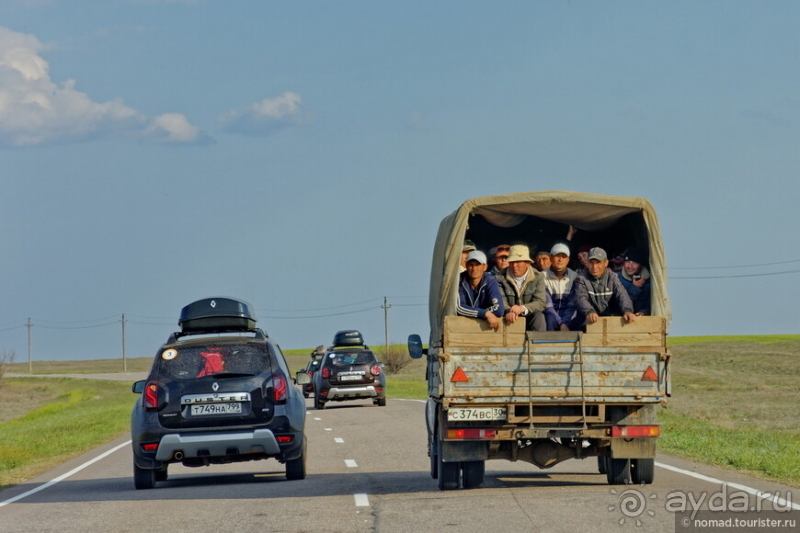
<point>216,409</point>
<point>476,413</point>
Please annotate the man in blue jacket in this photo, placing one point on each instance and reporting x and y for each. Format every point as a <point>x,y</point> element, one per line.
<point>479,294</point>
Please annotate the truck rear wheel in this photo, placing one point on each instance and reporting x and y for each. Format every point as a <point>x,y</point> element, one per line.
<point>643,471</point>
<point>473,473</point>
<point>448,474</point>
<point>601,464</point>
<point>618,471</point>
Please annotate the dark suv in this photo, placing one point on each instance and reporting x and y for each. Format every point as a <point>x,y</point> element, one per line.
<point>349,370</point>
<point>219,391</point>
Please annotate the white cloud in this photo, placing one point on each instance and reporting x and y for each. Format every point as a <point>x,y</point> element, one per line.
<point>174,128</point>
<point>266,116</point>
<point>34,110</point>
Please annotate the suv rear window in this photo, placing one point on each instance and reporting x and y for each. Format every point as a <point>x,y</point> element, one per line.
<point>348,358</point>
<point>195,361</point>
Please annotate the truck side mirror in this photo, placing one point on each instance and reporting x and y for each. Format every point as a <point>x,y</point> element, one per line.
<point>415,349</point>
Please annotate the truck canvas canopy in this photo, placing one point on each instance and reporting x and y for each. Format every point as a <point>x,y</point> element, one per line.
<point>540,219</point>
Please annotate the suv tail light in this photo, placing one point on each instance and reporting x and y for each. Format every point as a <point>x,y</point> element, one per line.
<point>153,396</point>
<point>376,370</point>
<point>326,372</point>
<point>280,389</point>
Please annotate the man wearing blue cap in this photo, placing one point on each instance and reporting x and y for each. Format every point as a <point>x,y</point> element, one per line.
<point>479,294</point>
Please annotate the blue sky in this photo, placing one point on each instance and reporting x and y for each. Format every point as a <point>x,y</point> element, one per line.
<point>300,155</point>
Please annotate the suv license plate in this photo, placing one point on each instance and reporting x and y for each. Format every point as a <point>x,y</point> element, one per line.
<point>476,413</point>
<point>351,377</point>
<point>216,409</point>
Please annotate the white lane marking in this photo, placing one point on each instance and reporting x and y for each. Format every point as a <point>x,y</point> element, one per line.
<point>317,418</point>
<point>328,429</point>
<point>745,488</point>
<point>338,440</point>
<point>350,463</point>
<point>64,476</point>
<point>408,400</point>
<point>361,500</point>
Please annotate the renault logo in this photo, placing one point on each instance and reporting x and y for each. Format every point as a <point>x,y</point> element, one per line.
<point>215,386</point>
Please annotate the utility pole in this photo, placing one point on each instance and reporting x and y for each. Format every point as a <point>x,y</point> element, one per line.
<point>124,359</point>
<point>386,308</point>
<point>30,347</point>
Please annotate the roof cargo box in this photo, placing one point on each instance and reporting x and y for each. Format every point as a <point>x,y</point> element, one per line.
<point>217,315</point>
<point>348,337</point>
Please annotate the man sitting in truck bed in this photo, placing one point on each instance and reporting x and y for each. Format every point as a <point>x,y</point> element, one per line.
<point>523,290</point>
<point>598,291</point>
<point>479,294</point>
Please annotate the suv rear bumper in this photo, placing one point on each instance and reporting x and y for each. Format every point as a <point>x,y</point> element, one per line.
<point>259,441</point>
<point>351,393</point>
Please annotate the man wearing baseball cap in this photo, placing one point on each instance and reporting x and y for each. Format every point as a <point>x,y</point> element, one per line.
<point>598,291</point>
<point>479,294</point>
<point>559,281</point>
<point>523,290</point>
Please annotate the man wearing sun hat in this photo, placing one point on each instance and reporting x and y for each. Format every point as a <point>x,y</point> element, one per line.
<point>598,291</point>
<point>479,294</point>
<point>523,290</point>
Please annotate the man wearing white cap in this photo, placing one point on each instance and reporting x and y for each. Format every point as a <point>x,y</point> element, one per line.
<point>598,291</point>
<point>479,294</point>
<point>559,281</point>
<point>523,290</point>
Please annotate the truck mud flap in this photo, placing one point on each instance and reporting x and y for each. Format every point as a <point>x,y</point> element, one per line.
<point>644,448</point>
<point>452,452</point>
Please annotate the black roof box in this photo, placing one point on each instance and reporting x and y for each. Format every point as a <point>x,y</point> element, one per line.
<point>214,315</point>
<point>348,337</point>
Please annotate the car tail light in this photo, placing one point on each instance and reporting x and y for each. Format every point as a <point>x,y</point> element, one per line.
<point>636,431</point>
<point>151,394</point>
<point>280,389</point>
<point>326,372</point>
<point>284,439</point>
<point>376,370</point>
<point>151,447</point>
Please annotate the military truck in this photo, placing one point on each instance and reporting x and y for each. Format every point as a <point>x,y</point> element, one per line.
<point>544,397</point>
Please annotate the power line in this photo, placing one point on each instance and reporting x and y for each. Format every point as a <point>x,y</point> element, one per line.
<point>758,275</point>
<point>735,266</point>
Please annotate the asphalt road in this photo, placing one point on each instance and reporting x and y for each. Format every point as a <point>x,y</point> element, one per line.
<point>367,471</point>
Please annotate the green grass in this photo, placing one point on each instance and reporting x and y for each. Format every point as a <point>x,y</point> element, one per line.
<point>81,415</point>
<point>734,404</point>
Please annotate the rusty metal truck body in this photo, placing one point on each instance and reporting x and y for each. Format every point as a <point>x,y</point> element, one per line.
<point>544,397</point>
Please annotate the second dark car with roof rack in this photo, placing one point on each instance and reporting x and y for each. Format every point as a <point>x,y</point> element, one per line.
<point>349,370</point>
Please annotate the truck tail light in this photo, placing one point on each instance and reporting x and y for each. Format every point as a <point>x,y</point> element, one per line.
<point>280,389</point>
<point>636,431</point>
<point>471,433</point>
<point>376,370</point>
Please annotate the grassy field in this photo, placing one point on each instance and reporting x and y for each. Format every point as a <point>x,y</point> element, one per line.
<point>734,405</point>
